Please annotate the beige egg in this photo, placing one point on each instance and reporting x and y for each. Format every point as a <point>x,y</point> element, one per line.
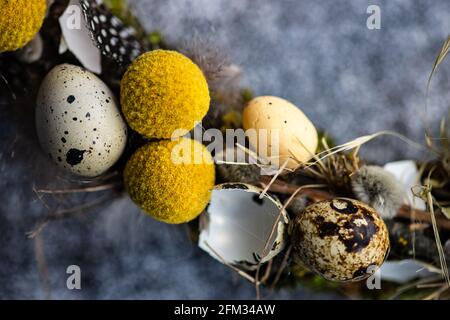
<point>340,239</point>
<point>278,122</point>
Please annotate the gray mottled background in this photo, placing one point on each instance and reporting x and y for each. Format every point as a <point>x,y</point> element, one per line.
<point>318,54</point>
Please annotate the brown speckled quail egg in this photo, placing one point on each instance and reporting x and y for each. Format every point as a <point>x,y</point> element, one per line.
<point>340,239</point>
<point>78,121</point>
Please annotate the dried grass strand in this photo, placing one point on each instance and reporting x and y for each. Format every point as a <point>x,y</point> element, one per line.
<point>104,187</point>
<point>235,269</point>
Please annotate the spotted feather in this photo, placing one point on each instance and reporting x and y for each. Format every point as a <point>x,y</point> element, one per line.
<point>110,35</point>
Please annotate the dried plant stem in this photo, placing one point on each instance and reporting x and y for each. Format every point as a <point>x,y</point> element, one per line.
<point>286,188</point>
<point>237,270</point>
<point>103,187</point>
<point>429,285</point>
<point>407,212</point>
<point>280,214</point>
<point>257,283</point>
<point>263,279</point>
<point>412,285</point>
<point>63,214</point>
<point>267,271</point>
<point>404,212</point>
<point>437,237</point>
<point>358,142</point>
<point>283,266</point>
<point>272,232</point>
<point>436,294</point>
<point>42,266</point>
<point>274,178</point>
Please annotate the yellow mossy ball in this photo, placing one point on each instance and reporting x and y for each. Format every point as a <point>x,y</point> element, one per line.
<point>20,21</point>
<point>163,91</point>
<point>171,180</point>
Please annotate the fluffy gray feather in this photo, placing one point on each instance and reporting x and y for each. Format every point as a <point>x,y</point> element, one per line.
<point>379,189</point>
<point>298,204</point>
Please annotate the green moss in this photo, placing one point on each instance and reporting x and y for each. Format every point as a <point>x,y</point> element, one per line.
<point>120,9</point>
<point>247,95</point>
<point>330,141</point>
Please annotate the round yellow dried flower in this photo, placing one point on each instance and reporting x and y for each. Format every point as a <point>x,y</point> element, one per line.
<point>20,21</point>
<point>171,180</point>
<point>163,91</point>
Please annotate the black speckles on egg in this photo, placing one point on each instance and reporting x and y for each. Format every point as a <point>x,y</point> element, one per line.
<point>326,228</point>
<point>235,186</point>
<point>343,206</point>
<point>63,140</point>
<point>258,200</point>
<point>70,99</point>
<point>74,118</point>
<point>74,156</point>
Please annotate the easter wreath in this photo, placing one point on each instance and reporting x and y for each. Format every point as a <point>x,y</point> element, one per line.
<point>320,213</point>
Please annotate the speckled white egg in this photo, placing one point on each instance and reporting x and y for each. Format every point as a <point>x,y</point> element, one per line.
<point>297,136</point>
<point>340,239</point>
<point>78,121</point>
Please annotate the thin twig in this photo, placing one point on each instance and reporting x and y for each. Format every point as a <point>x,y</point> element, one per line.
<point>412,285</point>
<point>239,271</point>
<point>404,211</point>
<point>436,294</point>
<point>273,179</point>
<point>267,272</point>
<point>257,283</point>
<point>63,214</point>
<point>429,285</point>
<point>282,210</point>
<point>283,266</point>
<point>42,267</point>
<point>438,239</point>
<point>286,188</point>
<point>103,187</point>
<point>407,212</point>
<point>265,251</point>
